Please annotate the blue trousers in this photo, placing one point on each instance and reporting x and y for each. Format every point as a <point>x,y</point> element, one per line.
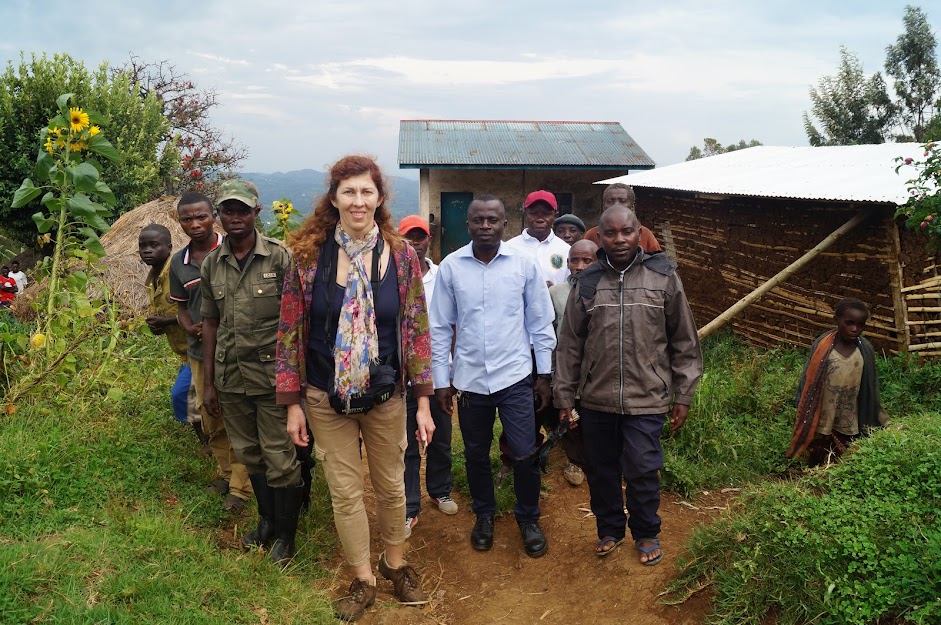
<point>437,456</point>
<point>476,413</point>
<point>179,391</point>
<point>619,445</point>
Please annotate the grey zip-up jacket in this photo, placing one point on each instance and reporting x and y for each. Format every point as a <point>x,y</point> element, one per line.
<point>628,342</point>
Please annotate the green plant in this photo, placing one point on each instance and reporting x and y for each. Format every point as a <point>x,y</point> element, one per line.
<point>284,219</point>
<point>924,204</point>
<point>858,543</point>
<point>138,130</point>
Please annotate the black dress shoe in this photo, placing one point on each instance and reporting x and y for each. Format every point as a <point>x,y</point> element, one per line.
<point>534,541</point>
<point>482,534</point>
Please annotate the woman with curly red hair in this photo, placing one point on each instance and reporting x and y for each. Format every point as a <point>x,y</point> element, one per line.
<point>354,330</point>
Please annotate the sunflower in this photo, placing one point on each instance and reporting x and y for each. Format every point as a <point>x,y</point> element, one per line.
<point>53,130</point>
<point>77,146</point>
<point>48,145</point>
<point>78,119</point>
<point>94,130</point>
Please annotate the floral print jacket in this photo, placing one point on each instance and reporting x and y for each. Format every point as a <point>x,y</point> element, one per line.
<point>296,299</point>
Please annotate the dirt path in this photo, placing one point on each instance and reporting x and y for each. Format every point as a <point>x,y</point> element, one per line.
<point>567,585</point>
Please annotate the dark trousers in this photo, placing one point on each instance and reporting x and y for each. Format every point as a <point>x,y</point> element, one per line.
<point>619,445</point>
<point>476,415</point>
<point>437,456</point>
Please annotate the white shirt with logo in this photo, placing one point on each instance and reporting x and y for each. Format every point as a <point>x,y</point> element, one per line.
<point>551,255</point>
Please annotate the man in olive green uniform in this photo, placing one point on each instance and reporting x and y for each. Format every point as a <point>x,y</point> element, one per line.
<point>241,304</point>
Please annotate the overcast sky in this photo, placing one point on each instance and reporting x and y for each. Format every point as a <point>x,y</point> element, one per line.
<point>302,83</point>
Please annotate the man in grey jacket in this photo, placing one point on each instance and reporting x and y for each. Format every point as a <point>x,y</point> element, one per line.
<point>628,348</point>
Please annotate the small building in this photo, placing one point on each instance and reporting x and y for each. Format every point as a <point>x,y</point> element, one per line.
<point>735,220</point>
<point>459,159</point>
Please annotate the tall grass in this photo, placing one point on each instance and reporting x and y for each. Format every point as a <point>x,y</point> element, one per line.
<point>105,518</point>
<point>858,543</point>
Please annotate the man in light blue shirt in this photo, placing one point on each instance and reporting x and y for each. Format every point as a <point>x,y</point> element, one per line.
<point>495,298</point>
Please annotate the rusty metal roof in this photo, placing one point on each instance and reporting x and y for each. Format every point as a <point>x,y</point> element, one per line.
<point>465,144</point>
<point>863,173</point>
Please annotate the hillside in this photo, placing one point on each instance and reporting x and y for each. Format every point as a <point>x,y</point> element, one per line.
<point>304,186</point>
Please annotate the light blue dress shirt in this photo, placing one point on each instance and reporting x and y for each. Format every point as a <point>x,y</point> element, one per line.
<point>495,308</point>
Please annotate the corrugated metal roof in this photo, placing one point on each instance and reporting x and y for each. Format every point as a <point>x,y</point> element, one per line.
<point>518,145</point>
<point>853,173</point>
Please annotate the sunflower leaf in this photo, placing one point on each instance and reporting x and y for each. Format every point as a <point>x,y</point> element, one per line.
<point>26,194</point>
<point>84,177</point>
<point>100,145</point>
<point>62,102</point>
<point>43,224</point>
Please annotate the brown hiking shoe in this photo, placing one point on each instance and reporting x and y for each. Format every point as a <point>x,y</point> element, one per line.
<point>360,596</point>
<point>405,581</point>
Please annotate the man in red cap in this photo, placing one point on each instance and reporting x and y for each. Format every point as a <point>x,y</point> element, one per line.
<point>438,453</point>
<point>538,240</point>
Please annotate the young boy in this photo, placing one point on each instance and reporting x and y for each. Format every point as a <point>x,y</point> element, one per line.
<point>18,275</point>
<point>154,246</point>
<point>838,396</point>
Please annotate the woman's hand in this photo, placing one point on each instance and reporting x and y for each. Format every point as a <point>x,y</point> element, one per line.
<point>426,425</point>
<point>297,425</point>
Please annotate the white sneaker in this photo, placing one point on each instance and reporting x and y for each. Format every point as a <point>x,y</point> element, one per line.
<point>410,522</point>
<point>446,504</point>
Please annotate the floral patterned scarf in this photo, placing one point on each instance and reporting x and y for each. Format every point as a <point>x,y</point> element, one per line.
<point>357,343</point>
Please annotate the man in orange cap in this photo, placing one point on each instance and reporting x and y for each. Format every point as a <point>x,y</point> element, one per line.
<point>438,463</point>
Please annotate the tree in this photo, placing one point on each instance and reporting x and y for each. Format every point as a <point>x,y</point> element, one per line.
<point>206,156</point>
<point>711,147</point>
<point>913,63</point>
<point>849,107</point>
<point>28,94</point>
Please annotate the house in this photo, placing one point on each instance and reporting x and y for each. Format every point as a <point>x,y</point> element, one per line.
<point>458,159</point>
<point>735,220</point>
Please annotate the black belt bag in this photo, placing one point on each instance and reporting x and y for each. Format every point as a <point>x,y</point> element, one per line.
<point>381,388</point>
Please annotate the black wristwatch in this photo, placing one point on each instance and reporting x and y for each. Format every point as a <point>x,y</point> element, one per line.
<point>545,376</point>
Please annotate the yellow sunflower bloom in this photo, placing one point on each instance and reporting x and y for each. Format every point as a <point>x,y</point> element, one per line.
<point>77,146</point>
<point>94,130</point>
<point>52,131</point>
<point>78,119</point>
<point>48,145</point>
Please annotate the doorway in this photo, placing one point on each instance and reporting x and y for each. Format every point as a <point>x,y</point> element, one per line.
<point>454,221</point>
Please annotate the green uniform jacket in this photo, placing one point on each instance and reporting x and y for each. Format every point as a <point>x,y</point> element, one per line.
<point>247,303</point>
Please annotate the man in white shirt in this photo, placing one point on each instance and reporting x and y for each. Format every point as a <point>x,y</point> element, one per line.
<point>538,239</point>
<point>438,453</point>
<point>18,275</point>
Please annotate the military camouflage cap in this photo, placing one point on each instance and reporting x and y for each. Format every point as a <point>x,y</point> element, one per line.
<point>238,189</point>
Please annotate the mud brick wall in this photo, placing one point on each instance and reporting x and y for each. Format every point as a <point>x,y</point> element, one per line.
<point>727,246</point>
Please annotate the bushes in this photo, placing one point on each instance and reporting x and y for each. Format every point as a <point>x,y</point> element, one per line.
<point>740,421</point>
<point>858,543</point>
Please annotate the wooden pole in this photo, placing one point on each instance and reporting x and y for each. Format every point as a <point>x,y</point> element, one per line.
<point>783,275</point>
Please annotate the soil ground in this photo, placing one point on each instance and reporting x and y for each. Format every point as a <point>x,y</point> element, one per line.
<point>567,585</point>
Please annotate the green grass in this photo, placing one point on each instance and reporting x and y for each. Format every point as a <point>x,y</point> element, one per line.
<point>104,515</point>
<point>858,543</point>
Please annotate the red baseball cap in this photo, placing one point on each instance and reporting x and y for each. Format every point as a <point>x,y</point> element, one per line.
<point>541,196</point>
<point>411,222</point>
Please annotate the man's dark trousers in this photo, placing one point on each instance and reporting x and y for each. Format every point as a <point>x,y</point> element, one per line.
<point>476,414</point>
<point>628,445</point>
<point>437,456</point>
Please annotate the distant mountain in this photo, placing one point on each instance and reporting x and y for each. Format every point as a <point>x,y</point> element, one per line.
<point>304,186</point>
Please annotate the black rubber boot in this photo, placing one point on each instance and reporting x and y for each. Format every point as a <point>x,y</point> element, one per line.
<point>287,506</point>
<point>264,533</point>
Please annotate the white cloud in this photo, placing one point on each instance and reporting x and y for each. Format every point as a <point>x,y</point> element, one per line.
<point>221,59</point>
